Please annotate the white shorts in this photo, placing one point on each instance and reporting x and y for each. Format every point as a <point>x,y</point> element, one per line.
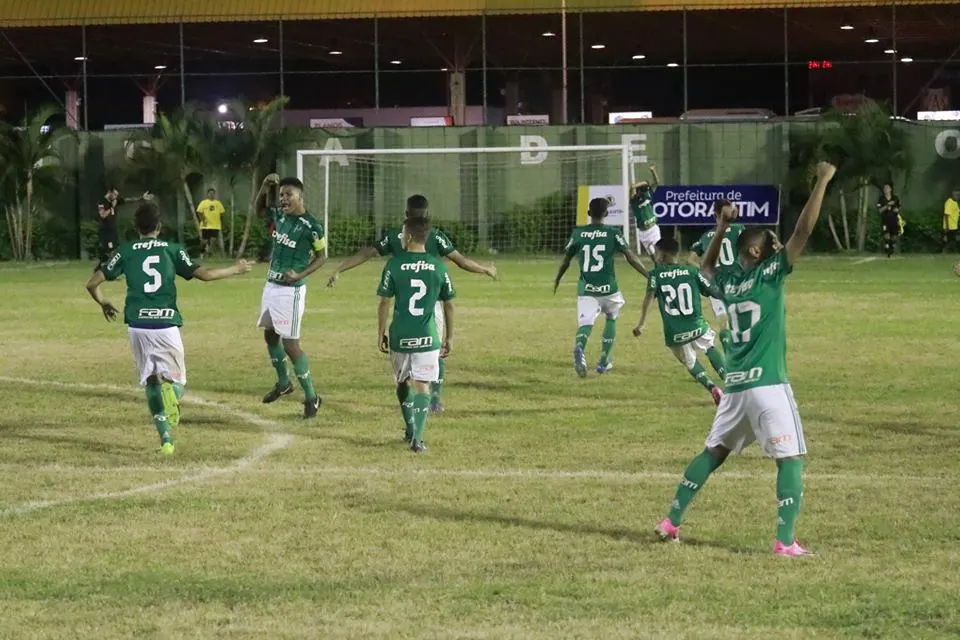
<point>589,307</point>
<point>158,352</point>
<point>719,309</point>
<point>647,239</point>
<point>689,350</point>
<point>422,367</point>
<point>281,309</point>
<point>766,414</point>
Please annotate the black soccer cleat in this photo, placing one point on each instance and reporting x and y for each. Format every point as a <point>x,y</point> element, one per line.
<point>310,407</point>
<point>418,447</point>
<point>276,392</point>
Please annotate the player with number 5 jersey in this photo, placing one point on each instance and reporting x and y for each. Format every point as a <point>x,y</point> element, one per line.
<point>151,266</point>
<point>595,246</point>
<point>677,288</point>
<point>416,281</point>
<point>728,257</point>
<point>758,404</point>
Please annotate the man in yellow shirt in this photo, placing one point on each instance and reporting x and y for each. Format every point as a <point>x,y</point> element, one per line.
<point>210,212</point>
<point>951,218</point>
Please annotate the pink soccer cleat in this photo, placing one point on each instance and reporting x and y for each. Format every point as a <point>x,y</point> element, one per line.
<point>717,395</point>
<point>667,532</point>
<point>790,550</point>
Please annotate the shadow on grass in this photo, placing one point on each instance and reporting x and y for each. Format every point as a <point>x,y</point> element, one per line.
<point>615,533</point>
<point>81,443</point>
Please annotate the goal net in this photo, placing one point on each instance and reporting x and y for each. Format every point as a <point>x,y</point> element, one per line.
<point>519,200</point>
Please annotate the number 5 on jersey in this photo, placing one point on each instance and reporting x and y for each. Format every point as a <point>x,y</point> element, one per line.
<point>155,279</point>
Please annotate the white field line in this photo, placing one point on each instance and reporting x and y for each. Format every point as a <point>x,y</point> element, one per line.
<point>275,440</point>
<point>865,260</point>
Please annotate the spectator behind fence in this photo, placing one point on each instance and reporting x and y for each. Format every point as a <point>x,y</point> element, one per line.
<point>951,216</point>
<point>889,208</point>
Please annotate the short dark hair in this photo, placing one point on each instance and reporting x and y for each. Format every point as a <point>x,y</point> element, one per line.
<point>113,187</point>
<point>720,205</point>
<point>598,207</point>
<point>290,181</point>
<point>209,189</point>
<point>417,228</point>
<point>669,246</point>
<point>147,218</point>
<point>417,202</point>
<point>749,237</point>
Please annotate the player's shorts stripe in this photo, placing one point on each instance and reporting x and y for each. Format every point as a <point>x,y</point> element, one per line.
<point>797,429</point>
<point>295,320</point>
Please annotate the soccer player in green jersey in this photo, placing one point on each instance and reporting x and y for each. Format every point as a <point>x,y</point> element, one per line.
<point>298,243</point>
<point>437,244</point>
<point>758,403</point>
<point>727,259</point>
<point>153,321</point>
<point>417,281</point>
<point>677,289</point>
<point>641,207</point>
<point>596,246</point>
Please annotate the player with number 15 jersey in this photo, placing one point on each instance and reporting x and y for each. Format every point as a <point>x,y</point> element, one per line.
<point>595,246</point>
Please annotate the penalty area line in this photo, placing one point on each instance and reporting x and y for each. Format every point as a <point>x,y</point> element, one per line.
<point>275,440</point>
<point>865,260</point>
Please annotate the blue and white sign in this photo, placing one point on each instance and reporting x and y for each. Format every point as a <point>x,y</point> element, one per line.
<point>693,204</point>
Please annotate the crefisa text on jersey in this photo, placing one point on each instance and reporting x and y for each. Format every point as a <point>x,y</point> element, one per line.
<point>417,266</point>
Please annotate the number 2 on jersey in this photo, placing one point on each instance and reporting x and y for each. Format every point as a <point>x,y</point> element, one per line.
<point>421,291</point>
<point>597,258</point>
<point>746,308</point>
<point>155,279</point>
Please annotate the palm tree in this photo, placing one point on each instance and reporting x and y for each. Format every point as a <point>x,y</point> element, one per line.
<point>265,145</point>
<point>872,150</point>
<point>31,164</point>
<point>228,160</point>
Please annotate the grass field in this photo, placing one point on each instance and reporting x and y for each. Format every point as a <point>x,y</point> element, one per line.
<point>531,514</point>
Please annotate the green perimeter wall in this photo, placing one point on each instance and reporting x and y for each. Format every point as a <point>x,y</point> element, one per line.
<point>478,191</point>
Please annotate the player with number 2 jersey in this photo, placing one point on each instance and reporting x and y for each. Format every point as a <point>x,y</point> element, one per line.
<point>596,246</point>
<point>758,404</point>
<point>151,266</point>
<point>677,288</point>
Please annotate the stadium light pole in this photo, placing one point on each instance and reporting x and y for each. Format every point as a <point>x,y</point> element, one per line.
<point>786,64</point>
<point>280,49</point>
<point>583,108</point>
<point>685,96</point>
<point>83,46</point>
<point>376,63</point>
<point>483,63</point>
<point>183,80</point>
<point>895,57</point>
<point>563,55</point>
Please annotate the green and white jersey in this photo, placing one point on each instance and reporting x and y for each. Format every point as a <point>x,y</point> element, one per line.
<point>677,288</point>
<point>641,207</point>
<point>728,250</point>
<point>416,281</point>
<point>438,244</point>
<point>596,246</point>
<point>295,240</point>
<point>757,354</point>
<point>151,267</point>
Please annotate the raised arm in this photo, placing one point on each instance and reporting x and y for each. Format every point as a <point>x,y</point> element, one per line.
<point>708,263</point>
<point>467,264</point>
<point>634,261</point>
<point>209,275</point>
<point>260,203</point>
<point>656,177</point>
<point>357,259</point>
<point>810,214</point>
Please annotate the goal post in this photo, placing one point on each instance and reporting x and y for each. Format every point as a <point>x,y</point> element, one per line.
<point>522,200</point>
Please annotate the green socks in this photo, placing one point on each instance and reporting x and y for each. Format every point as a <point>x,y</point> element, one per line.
<point>301,366</point>
<point>583,334</point>
<point>436,388</point>
<point>694,477</point>
<point>278,358</point>
<point>421,406</point>
<point>178,389</point>
<point>717,361</point>
<point>609,335</point>
<point>406,408</point>
<point>789,498</point>
<point>700,375</point>
<point>158,411</point>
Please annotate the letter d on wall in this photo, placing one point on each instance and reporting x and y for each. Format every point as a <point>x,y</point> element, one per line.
<point>533,142</point>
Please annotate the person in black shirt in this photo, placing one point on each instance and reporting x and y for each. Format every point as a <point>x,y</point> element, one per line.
<point>889,208</point>
<point>107,233</point>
